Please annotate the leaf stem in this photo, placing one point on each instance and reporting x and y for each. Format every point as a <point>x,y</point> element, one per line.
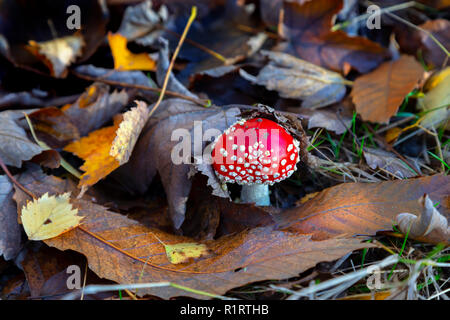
<point>13,180</point>
<point>177,50</point>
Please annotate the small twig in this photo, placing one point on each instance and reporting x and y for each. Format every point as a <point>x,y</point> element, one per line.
<point>13,180</point>
<point>142,87</point>
<point>169,69</point>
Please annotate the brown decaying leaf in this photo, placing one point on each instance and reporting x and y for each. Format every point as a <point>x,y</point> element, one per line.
<point>10,233</point>
<point>15,146</point>
<point>307,28</point>
<point>378,94</point>
<point>122,250</point>
<point>154,148</point>
<point>298,79</point>
<point>53,127</point>
<point>95,107</point>
<point>363,208</point>
<point>430,225</point>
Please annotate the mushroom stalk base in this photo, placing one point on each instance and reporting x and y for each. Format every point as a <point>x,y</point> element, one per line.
<point>256,193</point>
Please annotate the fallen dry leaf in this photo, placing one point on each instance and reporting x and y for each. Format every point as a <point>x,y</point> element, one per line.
<point>379,94</point>
<point>436,101</point>
<point>429,225</point>
<point>49,216</point>
<point>108,148</point>
<point>15,146</point>
<point>122,250</point>
<point>128,132</point>
<point>307,28</point>
<point>140,23</point>
<point>95,107</point>
<point>298,79</point>
<point>58,54</point>
<point>10,233</point>
<point>362,208</point>
<point>53,127</point>
<point>94,150</point>
<point>124,59</point>
<point>386,161</point>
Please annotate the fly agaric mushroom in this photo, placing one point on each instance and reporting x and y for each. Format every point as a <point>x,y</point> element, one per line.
<point>255,153</point>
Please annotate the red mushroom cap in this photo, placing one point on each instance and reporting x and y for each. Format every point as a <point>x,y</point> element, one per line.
<point>255,151</point>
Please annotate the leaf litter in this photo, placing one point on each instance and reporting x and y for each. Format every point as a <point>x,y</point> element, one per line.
<point>354,183</point>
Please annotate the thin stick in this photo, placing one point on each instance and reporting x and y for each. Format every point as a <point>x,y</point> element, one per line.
<point>138,86</point>
<point>169,70</point>
<point>13,180</point>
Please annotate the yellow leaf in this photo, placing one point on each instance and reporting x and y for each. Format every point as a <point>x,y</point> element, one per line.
<point>128,132</point>
<point>182,252</point>
<point>94,149</point>
<point>437,100</point>
<point>126,60</point>
<point>49,216</point>
<point>59,53</point>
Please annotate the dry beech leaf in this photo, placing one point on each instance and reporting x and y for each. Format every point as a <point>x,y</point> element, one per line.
<point>124,59</point>
<point>59,53</point>
<point>128,132</point>
<point>307,27</point>
<point>378,94</point>
<point>94,150</point>
<point>429,225</point>
<point>386,161</point>
<point>123,250</point>
<point>174,121</point>
<point>362,208</point>
<point>298,79</point>
<point>15,146</point>
<point>183,252</point>
<point>49,216</point>
<point>437,98</point>
<point>95,107</point>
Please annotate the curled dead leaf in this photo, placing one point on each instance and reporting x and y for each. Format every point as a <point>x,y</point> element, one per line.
<point>430,225</point>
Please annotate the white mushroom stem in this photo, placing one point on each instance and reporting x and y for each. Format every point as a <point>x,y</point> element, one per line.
<point>256,193</point>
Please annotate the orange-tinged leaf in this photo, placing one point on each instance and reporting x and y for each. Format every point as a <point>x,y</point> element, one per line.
<point>94,149</point>
<point>363,208</point>
<point>122,250</point>
<point>126,60</point>
<point>378,94</point>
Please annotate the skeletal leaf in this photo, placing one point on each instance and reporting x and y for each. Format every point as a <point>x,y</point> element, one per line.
<point>49,216</point>
<point>128,132</point>
<point>182,252</point>
<point>387,161</point>
<point>298,79</point>
<point>58,54</point>
<point>431,224</point>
